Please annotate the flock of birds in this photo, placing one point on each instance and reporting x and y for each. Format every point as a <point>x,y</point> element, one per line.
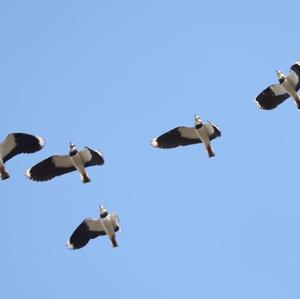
<point>108,223</point>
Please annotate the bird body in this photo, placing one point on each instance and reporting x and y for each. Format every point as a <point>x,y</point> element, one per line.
<point>203,132</point>
<point>287,87</point>
<point>290,88</point>
<point>182,136</point>
<point>107,224</point>
<point>17,143</point>
<point>78,163</point>
<point>58,165</point>
<point>109,228</point>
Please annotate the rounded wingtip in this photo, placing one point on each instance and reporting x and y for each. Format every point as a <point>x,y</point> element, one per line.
<point>42,141</point>
<point>69,245</point>
<point>257,103</point>
<point>27,173</point>
<point>154,143</point>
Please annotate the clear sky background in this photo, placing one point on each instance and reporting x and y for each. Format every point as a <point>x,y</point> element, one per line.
<point>112,75</point>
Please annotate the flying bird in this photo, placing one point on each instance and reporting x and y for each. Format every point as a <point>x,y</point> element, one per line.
<point>107,224</point>
<point>287,87</point>
<point>17,143</point>
<point>200,133</point>
<point>59,165</point>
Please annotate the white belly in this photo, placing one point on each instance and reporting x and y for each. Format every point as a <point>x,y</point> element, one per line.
<point>203,135</point>
<point>78,163</point>
<point>108,226</point>
<point>289,87</point>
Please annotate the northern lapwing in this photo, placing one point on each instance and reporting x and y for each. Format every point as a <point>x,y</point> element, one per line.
<point>275,94</point>
<point>107,224</point>
<point>200,133</point>
<point>59,165</point>
<point>17,143</point>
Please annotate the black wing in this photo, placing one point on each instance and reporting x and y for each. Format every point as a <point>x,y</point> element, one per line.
<point>91,157</point>
<point>83,234</point>
<point>179,136</point>
<point>271,97</point>
<point>17,143</point>
<point>294,75</point>
<point>50,168</point>
<point>216,133</point>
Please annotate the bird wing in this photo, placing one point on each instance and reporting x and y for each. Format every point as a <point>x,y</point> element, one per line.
<point>294,75</point>
<point>213,131</point>
<point>87,230</point>
<point>91,157</point>
<point>116,221</point>
<point>176,137</point>
<point>50,168</point>
<point>17,143</point>
<point>271,97</point>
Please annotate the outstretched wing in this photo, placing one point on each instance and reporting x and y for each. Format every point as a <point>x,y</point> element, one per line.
<point>115,221</point>
<point>271,97</point>
<point>50,168</point>
<point>179,136</point>
<point>91,157</point>
<point>87,230</point>
<point>213,130</point>
<point>17,143</point>
<point>294,75</point>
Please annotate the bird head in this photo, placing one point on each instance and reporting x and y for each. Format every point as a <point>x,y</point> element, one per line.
<point>197,120</point>
<point>103,212</point>
<point>72,149</point>
<point>280,75</point>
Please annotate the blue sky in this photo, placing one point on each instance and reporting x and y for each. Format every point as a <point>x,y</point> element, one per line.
<point>114,74</point>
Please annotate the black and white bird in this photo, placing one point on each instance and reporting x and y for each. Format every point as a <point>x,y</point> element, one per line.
<point>17,143</point>
<point>107,224</point>
<point>287,87</point>
<point>59,165</point>
<point>201,133</point>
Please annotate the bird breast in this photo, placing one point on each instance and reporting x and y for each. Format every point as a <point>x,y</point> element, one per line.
<point>289,87</point>
<point>108,226</point>
<point>77,162</point>
<point>203,134</point>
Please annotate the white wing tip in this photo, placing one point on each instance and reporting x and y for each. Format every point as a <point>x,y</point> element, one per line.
<point>95,150</point>
<point>69,245</point>
<point>27,173</point>
<point>42,141</point>
<point>257,103</point>
<point>154,142</point>
<point>99,152</point>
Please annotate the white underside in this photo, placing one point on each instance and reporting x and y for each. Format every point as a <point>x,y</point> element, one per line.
<point>106,224</point>
<point>293,77</point>
<point>201,133</point>
<point>78,163</point>
<point>289,87</point>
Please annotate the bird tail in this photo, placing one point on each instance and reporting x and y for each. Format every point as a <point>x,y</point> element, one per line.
<point>210,151</point>
<point>4,173</point>
<point>114,241</point>
<point>297,100</point>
